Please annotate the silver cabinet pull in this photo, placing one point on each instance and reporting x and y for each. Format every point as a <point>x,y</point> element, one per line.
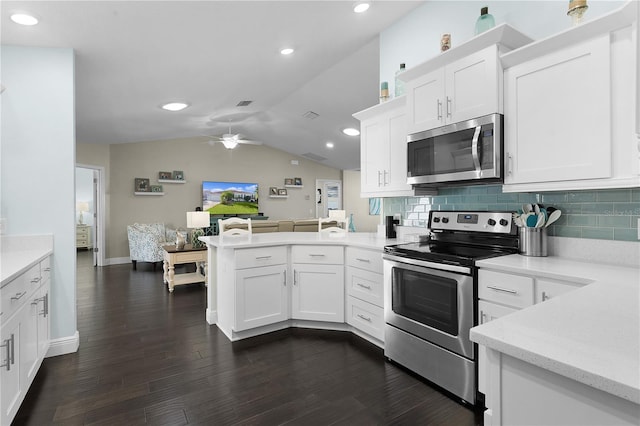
<point>36,280</point>
<point>368,319</point>
<point>18,296</point>
<point>439,106</point>
<point>316,255</point>
<point>448,106</point>
<point>295,278</point>
<point>545,296</point>
<point>368,287</point>
<point>363,260</point>
<point>504,290</point>
<point>47,269</point>
<point>509,164</point>
<point>483,316</point>
<point>9,343</point>
<point>46,305</point>
<point>285,277</point>
<point>262,257</point>
<point>385,181</point>
<point>379,180</point>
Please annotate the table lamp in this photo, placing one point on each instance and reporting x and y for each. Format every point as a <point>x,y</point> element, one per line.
<point>82,206</point>
<point>197,221</point>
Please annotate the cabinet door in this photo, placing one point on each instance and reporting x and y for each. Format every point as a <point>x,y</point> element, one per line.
<point>547,289</point>
<point>11,393</point>
<point>365,285</point>
<point>29,338</point>
<point>43,322</point>
<point>558,117</point>
<point>395,176</point>
<point>261,297</point>
<point>473,86</point>
<point>426,102</point>
<point>487,312</point>
<point>372,151</point>
<point>318,292</point>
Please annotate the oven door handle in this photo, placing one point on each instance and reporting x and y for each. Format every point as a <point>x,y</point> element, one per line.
<point>474,149</point>
<point>427,264</point>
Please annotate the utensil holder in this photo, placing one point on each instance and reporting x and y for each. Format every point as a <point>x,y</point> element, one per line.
<point>533,241</point>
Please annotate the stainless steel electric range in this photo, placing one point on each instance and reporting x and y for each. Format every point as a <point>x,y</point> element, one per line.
<point>431,296</point>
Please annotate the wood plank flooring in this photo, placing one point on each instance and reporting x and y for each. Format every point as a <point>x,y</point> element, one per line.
<point>148,357</point>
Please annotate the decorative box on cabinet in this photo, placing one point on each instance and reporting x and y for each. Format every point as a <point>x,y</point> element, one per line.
<point>83,236</point>
<point>569,111</point>
<point>318,283</point>
<point>365,303</point>
<point>383,150</point>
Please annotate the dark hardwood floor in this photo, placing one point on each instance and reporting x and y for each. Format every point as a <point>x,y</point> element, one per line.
<point>148,357</point>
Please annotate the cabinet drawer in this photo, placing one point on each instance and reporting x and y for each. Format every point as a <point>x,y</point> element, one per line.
<point>263,256</point>
<point>45,269</point>
<point>331,255</point>
<point>14,295</point>
<point>366,317</point>
<point>365,285</point>
<point>370,260</point>
<point>507,289</point>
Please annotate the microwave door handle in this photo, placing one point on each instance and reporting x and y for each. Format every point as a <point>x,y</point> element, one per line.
<point>474,149</point>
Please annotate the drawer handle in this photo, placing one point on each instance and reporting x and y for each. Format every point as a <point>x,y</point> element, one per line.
<point>316,255</point>
<point>8,343</point>
<point>18,296</point>
<point>47,269</point>
<point>368,287</point>
<point>483,316</point>
<point>36,280</point>
<point>363,260</point>
<point>262,257</point>
<point>368,319</point>
<point>504,290</point>
<point>545,296</point>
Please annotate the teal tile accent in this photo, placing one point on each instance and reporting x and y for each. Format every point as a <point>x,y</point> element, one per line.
<point>625,235</point>
<point>620,195</point>
<point>610,214</point>
<point>598,233</point>
<point>614,222</point>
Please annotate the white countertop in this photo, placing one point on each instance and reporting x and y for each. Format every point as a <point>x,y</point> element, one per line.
<point>15,262</point>
<point>591,335</point>
<point>356,239</point>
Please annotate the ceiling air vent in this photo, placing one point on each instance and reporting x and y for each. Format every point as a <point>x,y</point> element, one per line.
<point>314,157</point>
<point>244,103</point>
<point>310,115</point>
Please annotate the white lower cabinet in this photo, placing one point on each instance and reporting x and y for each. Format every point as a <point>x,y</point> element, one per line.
<point>261,296</point>
<point>366,317</point>
<point>318,292</point>
<point>24,335</point>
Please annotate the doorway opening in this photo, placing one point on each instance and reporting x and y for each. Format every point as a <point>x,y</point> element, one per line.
<point>328,196</point>
<point>90,213</point>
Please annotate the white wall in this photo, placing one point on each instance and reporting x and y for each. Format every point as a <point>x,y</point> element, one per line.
<point>416,38</point>
<point>38,163</point>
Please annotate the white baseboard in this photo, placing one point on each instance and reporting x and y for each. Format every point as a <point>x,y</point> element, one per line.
<point>211,316</point>
<point>64,345</point>
<point>117,261</point>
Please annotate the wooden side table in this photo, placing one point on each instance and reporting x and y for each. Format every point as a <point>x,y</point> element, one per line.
<point>188,254</point>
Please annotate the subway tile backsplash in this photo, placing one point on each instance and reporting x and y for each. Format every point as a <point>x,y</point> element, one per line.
<point>610,214</point>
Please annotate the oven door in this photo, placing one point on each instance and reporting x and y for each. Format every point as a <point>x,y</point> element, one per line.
<point>465,151</point>
<point>434,305</point>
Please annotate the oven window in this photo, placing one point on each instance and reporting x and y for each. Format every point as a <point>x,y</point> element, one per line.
<point>427,299</point>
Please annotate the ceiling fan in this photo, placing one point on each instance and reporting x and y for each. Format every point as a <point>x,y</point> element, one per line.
<point>231,140</point>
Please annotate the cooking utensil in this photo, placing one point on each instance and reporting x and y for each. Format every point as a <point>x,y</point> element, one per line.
<point>553,217</point>
<point>518,221</point>
<point>540,222</point>
<point>532,219</point>
<point>527,208</point>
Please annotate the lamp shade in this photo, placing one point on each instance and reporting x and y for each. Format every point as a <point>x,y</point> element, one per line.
<point>82,206</point>
<point>198,220</point>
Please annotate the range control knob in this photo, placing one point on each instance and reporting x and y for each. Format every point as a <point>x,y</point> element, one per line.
<point>504,222</point>
<point>491,222</point>
<point>436,219</point>
<point>445,220</point>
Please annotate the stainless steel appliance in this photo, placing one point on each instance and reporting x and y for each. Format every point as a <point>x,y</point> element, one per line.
<point>461,153</point>
<point>431,296</point>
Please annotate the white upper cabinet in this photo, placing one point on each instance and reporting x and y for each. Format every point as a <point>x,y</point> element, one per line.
<point>383,150</point>
<point>467,88</point>
<point>569,111</point>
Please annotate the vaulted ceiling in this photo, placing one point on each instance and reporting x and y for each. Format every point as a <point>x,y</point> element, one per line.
<point>133,56</point>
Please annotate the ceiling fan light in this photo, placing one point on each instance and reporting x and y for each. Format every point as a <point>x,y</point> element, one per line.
<point>229,143</point>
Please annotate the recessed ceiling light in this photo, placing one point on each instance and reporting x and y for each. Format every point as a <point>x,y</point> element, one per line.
<point>361,7</point>
<point>329,145</point>
<point>286,51</point>
<point>24,19</point>
<point>350,131</point>
<point>175,106</point>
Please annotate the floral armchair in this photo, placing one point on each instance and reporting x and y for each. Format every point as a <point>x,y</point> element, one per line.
<point>146,241</point>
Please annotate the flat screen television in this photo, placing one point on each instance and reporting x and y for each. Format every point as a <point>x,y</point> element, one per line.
<point>230,198</point>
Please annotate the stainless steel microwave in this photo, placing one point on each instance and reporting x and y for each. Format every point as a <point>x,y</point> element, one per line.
<point>469,152</point>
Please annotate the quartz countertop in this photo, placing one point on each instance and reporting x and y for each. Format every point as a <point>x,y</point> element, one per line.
<point>591,335</point>
<point>15,262</point>
<point>355,239</point>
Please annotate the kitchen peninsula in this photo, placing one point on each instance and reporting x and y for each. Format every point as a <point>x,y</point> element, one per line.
<point>260,283</point>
